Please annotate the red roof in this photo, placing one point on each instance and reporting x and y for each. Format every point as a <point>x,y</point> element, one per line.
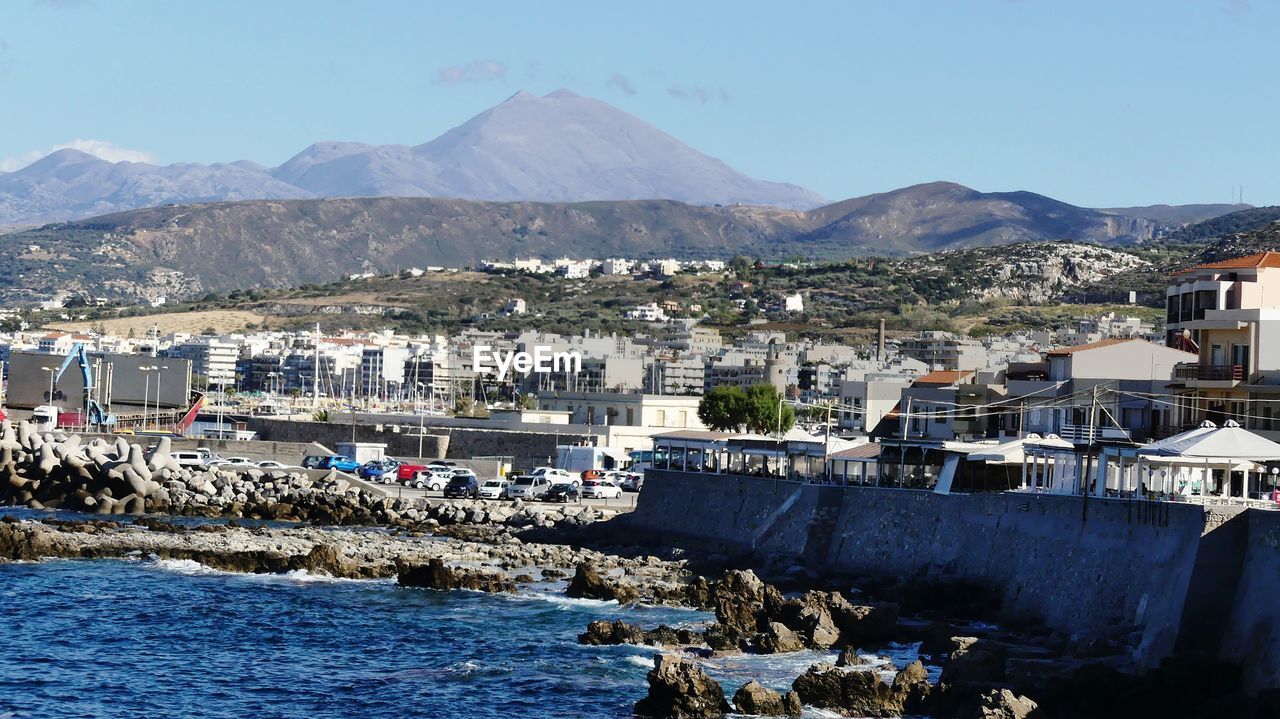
<point>943,377</point>
<point>1254,261</point>
<point>1092,346</point>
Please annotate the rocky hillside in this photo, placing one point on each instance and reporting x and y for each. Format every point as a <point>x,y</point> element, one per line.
<point>1039,272</point>
<point>184,250</point>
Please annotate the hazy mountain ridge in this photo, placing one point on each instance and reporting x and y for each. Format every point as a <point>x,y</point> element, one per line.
<point>281,243</point>
<point>558,148</point>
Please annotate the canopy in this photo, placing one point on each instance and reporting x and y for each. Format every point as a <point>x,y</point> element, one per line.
<point>1006,453</point>
<point>1208,441</point>
<point>1051,441</point>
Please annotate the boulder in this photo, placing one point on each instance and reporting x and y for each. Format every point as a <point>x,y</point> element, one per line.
<point>679,689</point>
<point>758,700</point>
<point>436,575</point>
<point>849,658</point>
<point>778,639</point>
<point>978,662</point>
<point>603,633</point>
<point>738,601</point>
<point>588,584</point>
<point>1004,704</point>
<point>862,693</point>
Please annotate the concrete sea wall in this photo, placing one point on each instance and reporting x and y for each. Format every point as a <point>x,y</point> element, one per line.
<point>1158,575</point>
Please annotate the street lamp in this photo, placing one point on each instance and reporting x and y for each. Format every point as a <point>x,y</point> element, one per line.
<point>52,373</point>
<point>159,371</point>
<point>146,391</point>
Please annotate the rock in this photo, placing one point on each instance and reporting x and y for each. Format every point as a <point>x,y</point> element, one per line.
<point>436,575</point>
<point>603,633</point>
<point>326,559</point>
<point>862,693</point>
<point>721,639</point>
<point>679,689</point>
<point>849,658</point>
<point>758,700</point>
<point>778,639</point>
<point>588,584</point>
<point>738,600</point>
<point>980,661</point>
<point>1004,704</point>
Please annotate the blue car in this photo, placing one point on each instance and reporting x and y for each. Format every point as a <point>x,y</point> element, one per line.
<point>379,470</point>
<point>333,461</point>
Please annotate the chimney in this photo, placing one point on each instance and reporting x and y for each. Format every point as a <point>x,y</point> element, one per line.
<point>880,342</point>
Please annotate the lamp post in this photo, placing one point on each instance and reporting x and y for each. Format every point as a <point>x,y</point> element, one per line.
<point>159,371</point>
<point>146,391</point>
<point>52,373</point>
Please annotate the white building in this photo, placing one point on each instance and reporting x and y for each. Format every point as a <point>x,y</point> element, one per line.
<point>515,306</point>
<point>616,267</point>
<point>647,313</point>
<point>793,303</point>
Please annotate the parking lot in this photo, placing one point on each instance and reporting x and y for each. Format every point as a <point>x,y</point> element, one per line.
<point>626,502</point>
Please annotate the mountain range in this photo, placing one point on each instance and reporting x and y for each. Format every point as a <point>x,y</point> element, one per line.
<point>186,250</point>
<point>559,148</point>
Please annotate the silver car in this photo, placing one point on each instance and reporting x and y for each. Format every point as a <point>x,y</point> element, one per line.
<point>528,487</point>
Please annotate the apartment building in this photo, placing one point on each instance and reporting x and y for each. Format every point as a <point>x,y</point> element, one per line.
<point>1228,314</point>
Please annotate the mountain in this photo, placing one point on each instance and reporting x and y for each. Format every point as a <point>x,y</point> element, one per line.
<point>944,215</point>
<point>186,250</point>
<point>557,148</point>
<point>1177,214</point>
<point>71,183</point>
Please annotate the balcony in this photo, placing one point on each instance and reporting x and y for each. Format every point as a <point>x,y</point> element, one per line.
<point>1083,434</point>
<point>1208,372</point>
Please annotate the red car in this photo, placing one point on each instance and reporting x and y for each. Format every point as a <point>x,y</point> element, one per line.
<point>407,472</point>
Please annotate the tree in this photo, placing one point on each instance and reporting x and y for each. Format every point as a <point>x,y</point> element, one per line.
<point>761,414</point>
<point>723,409</point>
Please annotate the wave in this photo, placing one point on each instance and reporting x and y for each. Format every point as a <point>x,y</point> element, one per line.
<point>192,568</point>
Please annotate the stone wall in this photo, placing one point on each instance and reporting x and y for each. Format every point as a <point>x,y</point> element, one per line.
<point>1168,577</point>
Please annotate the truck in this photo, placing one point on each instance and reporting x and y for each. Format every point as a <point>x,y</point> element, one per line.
<point>577,459</point>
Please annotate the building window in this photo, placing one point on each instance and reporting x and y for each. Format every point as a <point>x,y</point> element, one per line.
<point>662,418</point>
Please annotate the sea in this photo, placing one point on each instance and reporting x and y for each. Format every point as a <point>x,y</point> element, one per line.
<point>146,637</point>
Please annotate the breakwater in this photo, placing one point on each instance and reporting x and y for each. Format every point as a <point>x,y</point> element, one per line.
<point>1163,579</point>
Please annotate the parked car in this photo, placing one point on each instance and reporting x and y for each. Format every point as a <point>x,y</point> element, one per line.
<point>190,458</point>
<point>494,489</point>
<point>564,492</point>
<point>462,486</point>
<point>461,472</point>
<point>442,464</point>
<point>632,481</point>
<point>406,472</point>
<point>271,464</point>
<point>433,480</point>
<point>379,470</point>
<point>239,462</point>
<point>333,461</point>
<point>600,489</point>
<point>528,487</point>
<point>556,476</point>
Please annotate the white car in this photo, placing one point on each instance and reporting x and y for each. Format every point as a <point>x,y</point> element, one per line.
<point>556,476</point>
<point>187,458</point>
<point>600,489</point>
<point>494,489</point>
<point>270,464</point>
<point>240,462</point>
<point>431,479</point>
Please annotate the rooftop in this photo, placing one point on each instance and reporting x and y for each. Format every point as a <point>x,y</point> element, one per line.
<point>1254,261</point>
<point>943,377</point>
<point>1063,351</point>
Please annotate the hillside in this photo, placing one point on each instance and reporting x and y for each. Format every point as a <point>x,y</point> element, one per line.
<point>1254,218</point>
<point>557,148</point>
<point>187,250</point>
<point>845,298</point>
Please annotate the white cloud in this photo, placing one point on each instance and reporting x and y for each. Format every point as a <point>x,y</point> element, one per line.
<point>100,149</point>
<point>474,71</point>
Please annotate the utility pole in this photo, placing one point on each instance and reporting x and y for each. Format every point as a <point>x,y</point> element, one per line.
<point>1093,414</point>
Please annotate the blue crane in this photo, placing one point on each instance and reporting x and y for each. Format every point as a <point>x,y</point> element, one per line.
<point>97,415</point>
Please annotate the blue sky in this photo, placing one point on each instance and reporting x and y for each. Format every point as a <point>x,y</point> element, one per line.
<point>1097,103</point>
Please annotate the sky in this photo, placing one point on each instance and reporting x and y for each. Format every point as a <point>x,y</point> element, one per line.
<point>1095,102</point>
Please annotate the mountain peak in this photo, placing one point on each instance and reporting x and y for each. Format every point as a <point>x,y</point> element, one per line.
<point>521,96</point>
<point>563,94</point>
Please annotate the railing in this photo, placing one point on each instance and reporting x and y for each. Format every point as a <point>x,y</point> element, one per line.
<point>1209,372</point>
<point>1083,434</point>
